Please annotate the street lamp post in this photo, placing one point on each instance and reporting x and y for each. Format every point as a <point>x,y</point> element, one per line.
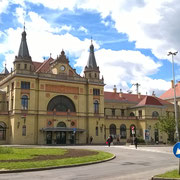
<point>175,105</point>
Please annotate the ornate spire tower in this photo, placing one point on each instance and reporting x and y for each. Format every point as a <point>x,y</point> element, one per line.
<point>23,61</point>
<point>91,70</point>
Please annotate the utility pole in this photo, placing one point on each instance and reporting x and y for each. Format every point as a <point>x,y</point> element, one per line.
<point>137,87</point>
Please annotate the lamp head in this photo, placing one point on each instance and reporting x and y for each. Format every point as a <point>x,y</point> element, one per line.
<point>169,53</point>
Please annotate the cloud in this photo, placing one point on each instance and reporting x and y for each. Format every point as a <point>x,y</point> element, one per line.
<point>150,24</point>
<point>125,67</point>
<point>81,28</point>
<point>42,39</point>
<point>3,6</point>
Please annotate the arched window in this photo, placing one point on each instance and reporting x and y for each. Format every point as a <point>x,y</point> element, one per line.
<point>24,102</point>
<point>61,124</point>
<point>112,129</point>
<point>132,130</point>
<point>2,131</point>
<point>155,114</point>
<point>61,104</point>
<point>123,131</point>
<point>96,107</point>
<point>24,130</point>
<point>132,114</point>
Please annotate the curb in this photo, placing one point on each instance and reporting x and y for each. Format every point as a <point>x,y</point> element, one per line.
<point>161,178</point>
<point>54,167</point>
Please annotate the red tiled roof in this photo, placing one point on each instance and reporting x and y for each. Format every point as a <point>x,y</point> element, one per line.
<point>141,100</point>
<point>169,94</point>
<point>44,67</point>
<point>123,97</point>
<point>36,65</point>
<point>149,100</point>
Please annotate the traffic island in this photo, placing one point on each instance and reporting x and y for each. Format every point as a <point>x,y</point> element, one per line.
<point>35,159</point>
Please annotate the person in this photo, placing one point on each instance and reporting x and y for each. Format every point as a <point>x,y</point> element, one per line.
<point>135,142</point>
<point>109,140</point>
<point>91,139</point>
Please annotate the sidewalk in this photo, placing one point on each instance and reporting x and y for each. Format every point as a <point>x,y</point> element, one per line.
<point>152,148</point>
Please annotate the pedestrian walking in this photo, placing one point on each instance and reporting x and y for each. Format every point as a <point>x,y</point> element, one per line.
<point>109,140</point>
<point>135,142</point>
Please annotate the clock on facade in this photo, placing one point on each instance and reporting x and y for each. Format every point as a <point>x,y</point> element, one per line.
<point>62,68</point>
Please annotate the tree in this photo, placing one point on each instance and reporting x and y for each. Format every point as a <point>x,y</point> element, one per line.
<point>167,124</point>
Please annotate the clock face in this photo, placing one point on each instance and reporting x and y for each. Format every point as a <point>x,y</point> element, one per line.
<point>62,68</point>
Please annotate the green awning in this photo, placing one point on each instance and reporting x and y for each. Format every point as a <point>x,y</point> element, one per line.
<point>66,129</point>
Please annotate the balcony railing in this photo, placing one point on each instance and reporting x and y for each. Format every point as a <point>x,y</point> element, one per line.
<point>130,117</point>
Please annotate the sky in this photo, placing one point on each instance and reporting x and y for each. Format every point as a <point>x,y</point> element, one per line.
<point>131,38</point>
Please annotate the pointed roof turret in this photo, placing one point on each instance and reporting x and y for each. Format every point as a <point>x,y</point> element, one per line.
<point>23,53</point>
<point>5,71</point>
<point>92,60</point>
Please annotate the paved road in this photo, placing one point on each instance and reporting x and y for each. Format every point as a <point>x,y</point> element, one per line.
<point>129,164</point>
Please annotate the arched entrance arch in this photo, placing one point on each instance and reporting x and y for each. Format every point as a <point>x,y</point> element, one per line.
<point>2,131</point>
<point>61,103</point>
<point>112,130</point>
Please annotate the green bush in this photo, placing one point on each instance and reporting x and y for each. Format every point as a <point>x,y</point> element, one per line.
<point>140,140</point>
<point>6,150</point>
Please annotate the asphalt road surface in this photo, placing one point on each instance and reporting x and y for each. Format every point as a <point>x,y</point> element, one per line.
<point>130,163</point>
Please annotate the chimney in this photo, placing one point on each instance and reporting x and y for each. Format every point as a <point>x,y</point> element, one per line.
<point>115,89</point>
<point>139,95</point>
<point>172,84</point>
<point>120,93</point>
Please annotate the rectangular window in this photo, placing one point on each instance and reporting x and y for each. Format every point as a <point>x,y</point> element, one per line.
<point>96,92</point>
<point>96,131</point>
<point>122,112</point>
<point>25,66</point>
<point>25,85</point>
<point>113,112</point>
<point>18,66</point>
<point>140,113</point>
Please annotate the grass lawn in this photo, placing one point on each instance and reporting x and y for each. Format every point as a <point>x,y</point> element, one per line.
<point>170,174</point>
<point>22,158</point>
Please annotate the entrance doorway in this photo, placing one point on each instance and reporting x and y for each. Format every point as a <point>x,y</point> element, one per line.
<point>61,137</point>
<point>156,136</point>
<point>49,137</point>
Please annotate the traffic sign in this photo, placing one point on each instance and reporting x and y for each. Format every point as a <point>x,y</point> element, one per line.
<point>74,130</point>
<point>176,150</point>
